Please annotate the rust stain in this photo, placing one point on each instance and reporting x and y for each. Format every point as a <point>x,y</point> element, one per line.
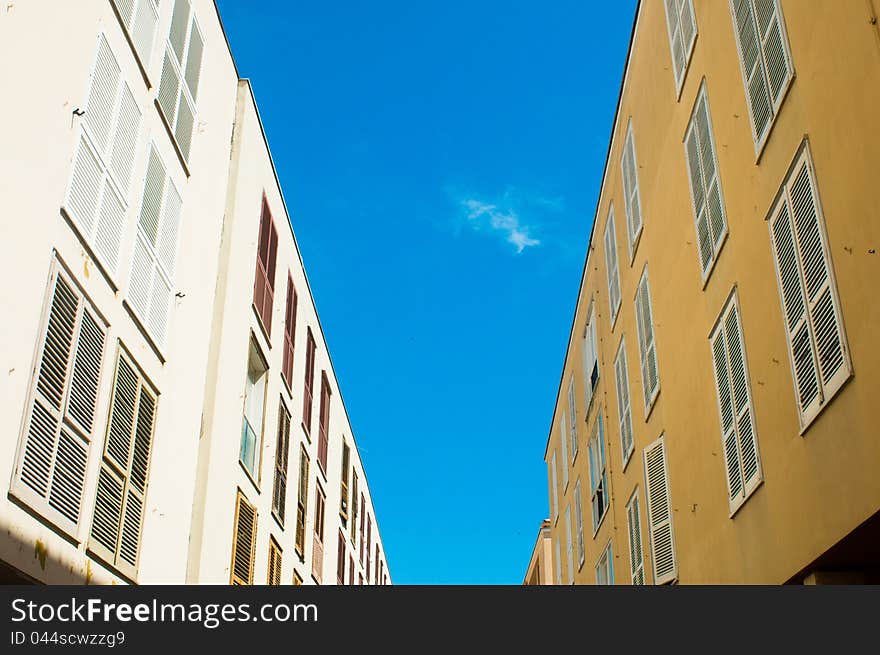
<point>88,571</point>
<point>86,267</point>
<point>40,552</point>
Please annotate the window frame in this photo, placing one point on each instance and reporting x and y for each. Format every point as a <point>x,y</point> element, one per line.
<point>255,475</point>
<point>621,356</point>
<point>597,437</point>
<point>611,229</point>
<point>688,49</point>
<point>633,238</point>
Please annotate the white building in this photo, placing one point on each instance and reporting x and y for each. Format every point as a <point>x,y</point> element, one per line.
<point>150,352</point>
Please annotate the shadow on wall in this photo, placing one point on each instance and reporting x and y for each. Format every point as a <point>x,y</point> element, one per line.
<point>33,562</point>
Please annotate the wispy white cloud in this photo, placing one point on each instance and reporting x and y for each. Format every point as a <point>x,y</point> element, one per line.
<point>505,221</point>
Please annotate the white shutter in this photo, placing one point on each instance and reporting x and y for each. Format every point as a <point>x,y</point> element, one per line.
<point>194,60</point>
<point>647,347</point>
<point>624,411</point>
<point>554,490</point>
<point>572,419</point>
<point>765,59</point>
<point>102,95</point>
<point>611,266</point>
<point>53,456</point>
<point>660,513</point>
<point>122,481</point>
<point>632,201</point>
<point>817,343</point>
<point>568,546</point>
<point>563,437</point>
<point>179,23</point>
<point>591,359</point>
<point>636,557</point>
<point>143,29</point>
<point>558,562</point>
<point>579,522</point>
<point>738,437</point>
<point>682,30</point>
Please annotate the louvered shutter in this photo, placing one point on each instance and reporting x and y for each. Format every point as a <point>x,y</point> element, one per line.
<point>734,399</point>
<point>563,438</point>
<point>282,446</point>
<point>142,27</point>
<point>632,201</point>
<point>579,521</point>
<point>554,493</point>
<point>558,562</point>
<point>764,57</point>
<point>636,557</point>
<point>324,423</point>
<point>244,542</point>
<point>123,478</point>
<point>340,558</point>
<point>682,30</point>
<point>301,502</point>
<point>624,411</point>
<point>274,576</point>
<point>647,348</point>
<point>318,540</point>
<point>817,343</point>
<point>361,547</point>
<point>308,382</point>
<point>264,283</point>
<point>660,513</point>
<point>572,418</point>
<point>611,266</point>
<point>53,456</point>
<point>289,334</point>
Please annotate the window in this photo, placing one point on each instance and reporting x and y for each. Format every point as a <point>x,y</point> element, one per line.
<point>611,266</point>
<point>282,447</point>
<point>707,200</point>
<point>308,382</point>
<point>97,197</point>
<point>579,522</point>
<point>647,347</point>
<point>252,424</point>
<point>301,500</point>
<point>297,578</point>
<point>624,411</point>
<point>363,534</point>
<point>318,541</point>
<point>324,423</point>
<point>264,281</point>
<point>340,558</point>
<point>554,494</point>
<point>151,285</point>
<point>568,544</point>
<point>738,438</point>
<point>125,469</point>
<point>369,541</point>
<point>764,59</point>
<point>572,419</point>
<point>660,513</point>
<point>605,567</point>
<point>140,18</point>
<point>563,438</point>
<point>244,542</point>
<point>181,68</point>
<point>354,506</point>
<point>814,326</point>
<point>376,576</point>
<point>591,358</point>
<point>682,36</point>
<point>599,491</point>
<point>274,577</point>
<point>343,485</point>
<point>634,528</point>
<point>632,201</point>
<point>558,562</point>
<point>350,570</point>
<point>289,334</point>
<point>53,454</point>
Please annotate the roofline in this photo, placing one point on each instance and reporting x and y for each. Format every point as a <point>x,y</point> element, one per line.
<point>614,124</point>
<point>544,528</point>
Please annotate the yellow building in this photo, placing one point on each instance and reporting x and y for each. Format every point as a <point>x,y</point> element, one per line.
<point>714,420</point>
<point>540,570</point>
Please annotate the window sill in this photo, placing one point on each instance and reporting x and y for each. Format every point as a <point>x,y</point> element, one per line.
<point>266,335</point>
<point>134,51</point>
<point>143,330</point>
<point>616,311</point>
<point>627,458</point>
<point>687,66</point>
<point>105,561</point>
<point>805,425</point>
<point>601,521</point>
<point>168,129</point>
<point>762,144</point>
<point>635,244</point>
<point>715,257</point>
<point>278,519</point>
<point>742,501</point>
<point>649,409</point>
<point>249,475</point>
<point>90,252</point>
<point>306,432</point>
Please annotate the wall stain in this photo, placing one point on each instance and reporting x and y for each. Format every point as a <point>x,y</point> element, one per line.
<point>88,571</point>
<point>40,552</point>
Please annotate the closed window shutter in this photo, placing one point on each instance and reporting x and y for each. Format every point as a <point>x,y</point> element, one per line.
<point>554,493</point>
<point>632,201</point>
<point>340,558</point>
<point>647,348</point>
<point>579,521</point>
<point>264,282</point>
<point>611,266</point>
<point>563,438</point>
<point>123,479</point>
<point>354,508</point>
<point>599,492</point>
<point>735,404</point>
<point>318,540</point>
<point>274,577</point>
<point>634,525</point>
<point>282,446</point>
<point>764,57</point>
<point>369,542</point>
<point>140,18</point>
<point>591,361</point>
<point>558,562</point>
<point>289,334</point>
<point>308,382</point>
<point>624,411</point>
<point>817,344</point>
<point>343,484</point>
<point>53,457</point>
<point>572,419</point>
<point>363,534</point>
<point>707,202</point>
<point>151,284</point>
<point>244,542</point>
<point>301,502</point>
<point>568,547</point>
<point>660,513</point>
<point>97,196</point>
<point>324,423</point>
<point>682,32</point>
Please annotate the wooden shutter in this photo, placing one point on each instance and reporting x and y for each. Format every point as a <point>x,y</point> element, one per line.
<point>308,382</point>
<point>53,455</point>
<point>340,558</point>
<point>814,326</point>
<point>274,577</point>
<point>318,540</point>
<point>244,542</point>
<point>634,526</point>
<point>660,513</point>
<point>624,410</point>
<point>301,502</point>
<point>351,570</point>
<point>324,423</point>
<point>706,198</point>
<point>282,447</point>
<point>765,60</point>
<point>354,506</point>
<point>647,348</point>
<point>611,266</point>
<point>264,281</point>
<point>369,543</point>
<point>289,334</point>
<point>123,479</point>
<point>343,485</point>
<point>682,29</point>
<point>632,201</point>
<point>738,438</point>
<point>572,417</point>
<point>563,438</point>
<point>579,521</point>
<point>363,533</point>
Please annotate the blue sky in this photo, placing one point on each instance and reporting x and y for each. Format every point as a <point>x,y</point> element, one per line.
<point>441,163</point>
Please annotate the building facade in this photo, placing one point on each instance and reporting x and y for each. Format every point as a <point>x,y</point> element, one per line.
<point>540,570</point>
<point>714,420</point>
<point>169,409</point>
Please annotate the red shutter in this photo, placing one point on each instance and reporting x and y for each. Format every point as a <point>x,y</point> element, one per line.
<point>309,381</point>
<point>264,282</point>
<point>362,531</point>
<point>350,569</point>
<point>369,541</point>
<point>340,559</point>
<point>289,332</point>
<point>324,422</point>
